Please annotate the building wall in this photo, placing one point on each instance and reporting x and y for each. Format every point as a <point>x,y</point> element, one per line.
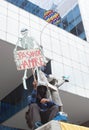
<point>72,22</point>
<point>65,6</point>
<point>84,8</point>
<point>69,54</point>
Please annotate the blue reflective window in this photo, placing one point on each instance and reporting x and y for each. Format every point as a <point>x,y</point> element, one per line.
<point>72,22</point>
<point>70,17</point>
<point>69,23</point>
<point>76,11</point>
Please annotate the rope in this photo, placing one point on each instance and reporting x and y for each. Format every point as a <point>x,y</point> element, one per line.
<point>42,33</point>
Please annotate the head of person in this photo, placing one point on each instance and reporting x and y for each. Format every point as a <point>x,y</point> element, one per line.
<point>42,90</point>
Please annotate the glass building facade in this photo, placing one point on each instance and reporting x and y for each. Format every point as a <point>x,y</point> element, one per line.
<point>28,6</point>
<point>71,22</point>
<point>68,52</point>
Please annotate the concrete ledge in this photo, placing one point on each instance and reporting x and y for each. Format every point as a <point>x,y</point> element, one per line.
<point>52,125</point>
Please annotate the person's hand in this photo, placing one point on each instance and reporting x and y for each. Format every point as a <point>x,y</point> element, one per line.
<point>35,84</point>
<point>44,100</point>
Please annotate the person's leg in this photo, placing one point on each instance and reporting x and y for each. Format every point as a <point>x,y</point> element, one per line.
<point>44,116</point>
<point>33,115</point>
<point>52,112</point>
<point>49,114</point>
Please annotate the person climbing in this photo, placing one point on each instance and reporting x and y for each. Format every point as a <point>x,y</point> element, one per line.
<point>41,108</point>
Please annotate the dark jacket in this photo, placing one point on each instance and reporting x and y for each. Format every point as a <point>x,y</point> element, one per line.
<point>36,97</point>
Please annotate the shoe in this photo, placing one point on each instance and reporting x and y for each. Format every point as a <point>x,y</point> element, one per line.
<point>61,116</point>
<point>66,78</point>
<point>38,124</point>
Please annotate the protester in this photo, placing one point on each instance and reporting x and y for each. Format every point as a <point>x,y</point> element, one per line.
<point>41,109</point>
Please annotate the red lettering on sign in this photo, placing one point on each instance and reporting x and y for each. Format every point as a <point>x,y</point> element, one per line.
<point>24,64</point>
<point>27,59</point>
<point>21,55</point>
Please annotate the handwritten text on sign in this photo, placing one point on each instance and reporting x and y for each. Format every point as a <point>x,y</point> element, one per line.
<point>26,59</point>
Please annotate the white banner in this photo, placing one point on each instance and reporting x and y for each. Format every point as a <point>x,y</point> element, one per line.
<point>26,59</point>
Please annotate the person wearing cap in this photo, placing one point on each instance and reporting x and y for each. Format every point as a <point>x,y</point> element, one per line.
<point>41,108</point>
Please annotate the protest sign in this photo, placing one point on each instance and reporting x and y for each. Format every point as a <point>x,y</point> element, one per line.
<point>26,59</point>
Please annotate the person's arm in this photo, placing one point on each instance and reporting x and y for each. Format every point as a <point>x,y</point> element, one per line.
<point>44,100</point>
<point>34,92</point>
<point>35,84</point>
<point>49,103</point>
<point>33,96</point>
